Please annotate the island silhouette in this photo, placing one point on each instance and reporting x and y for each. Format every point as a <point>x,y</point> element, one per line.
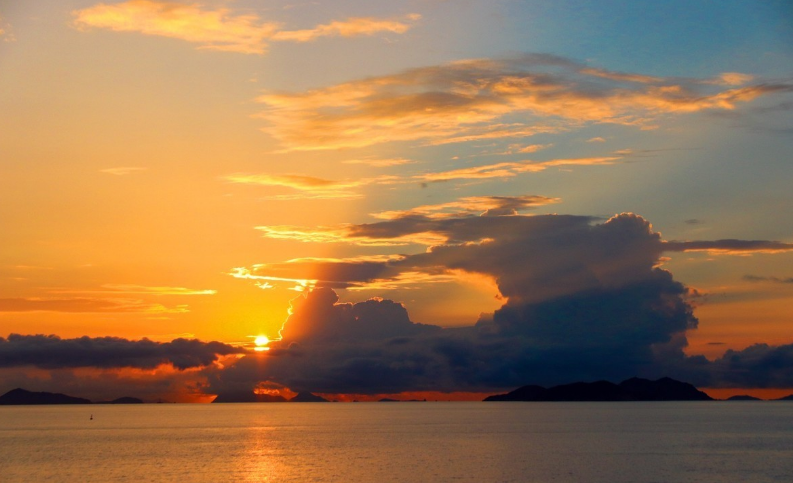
<point>634,389</point>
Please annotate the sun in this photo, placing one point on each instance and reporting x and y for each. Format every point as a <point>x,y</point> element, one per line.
<point>261,342</point>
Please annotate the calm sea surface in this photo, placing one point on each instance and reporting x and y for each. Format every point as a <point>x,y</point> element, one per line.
<point>381,442</point>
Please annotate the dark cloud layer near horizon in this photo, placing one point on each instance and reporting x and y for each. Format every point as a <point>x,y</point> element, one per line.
<point>583,301</point>
<point>53,352</point>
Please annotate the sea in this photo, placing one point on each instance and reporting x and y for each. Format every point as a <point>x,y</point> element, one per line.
<point>400,442</point>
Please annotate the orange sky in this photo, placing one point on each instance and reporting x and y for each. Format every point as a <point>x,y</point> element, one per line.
<point>183,170</point>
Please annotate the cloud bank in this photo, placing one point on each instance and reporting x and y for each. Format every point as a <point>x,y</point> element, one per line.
<point>52,352</point>
<point>488,99</point>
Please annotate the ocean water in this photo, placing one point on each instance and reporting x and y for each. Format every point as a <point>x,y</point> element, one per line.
<point>400,442</point>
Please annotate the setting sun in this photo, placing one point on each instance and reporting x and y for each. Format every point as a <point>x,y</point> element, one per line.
<point>261,342</point>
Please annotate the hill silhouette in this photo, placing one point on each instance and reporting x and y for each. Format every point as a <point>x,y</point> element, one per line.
<point>308,397</point>
<point>122,400</point>
<point>247,397</point>
<point>21,396</point>
<point>634,389</point>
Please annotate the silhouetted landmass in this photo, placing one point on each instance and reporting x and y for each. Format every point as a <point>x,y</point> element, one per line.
<point>247,397</point>
<point>786,398</point>
<point>21,396</point>
<point>743,397</point>
<point>634,389</point>
<point>122,400</point>
<point>308,397</point>
<point>386,399</point>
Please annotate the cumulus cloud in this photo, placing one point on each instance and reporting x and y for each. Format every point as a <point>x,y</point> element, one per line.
<point>53,352</point>
<point>583,299</point>
<point>471,99</point>
<point>220,29</point>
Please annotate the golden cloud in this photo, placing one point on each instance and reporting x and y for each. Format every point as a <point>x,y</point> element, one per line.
<point>352,27</point>
<point>463,101</point>
<point>219,29</point>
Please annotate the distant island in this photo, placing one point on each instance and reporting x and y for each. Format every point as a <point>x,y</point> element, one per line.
<point>743,397</point>
<point>122,400</point>
<point>249,397</point>
<point>634,389</point>
<point>21,396</point>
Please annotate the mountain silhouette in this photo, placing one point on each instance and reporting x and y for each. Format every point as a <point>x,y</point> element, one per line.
<point>21,396</point>
<point>247,397</point>
<point>308,397</point>
<point>634,389</point>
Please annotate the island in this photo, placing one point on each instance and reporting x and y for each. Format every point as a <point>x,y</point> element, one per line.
<point>308,397</point>
<point>21,396</point>
<point>634,389</point>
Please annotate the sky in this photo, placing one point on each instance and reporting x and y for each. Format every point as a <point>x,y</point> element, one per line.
<point>421,196</point>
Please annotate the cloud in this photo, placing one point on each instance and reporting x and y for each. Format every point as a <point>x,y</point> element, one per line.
<point>122,171</point>
<point>584,299</point>
<point>212,29</point>
<point>53,352</point>
<point>510,169</point>
<point>463,100</point>
<point>352,27</point>
<point>219,29</point>
<point>85,304</point>
<point>380,163</point>
<point>320,188</point>
<point>596,140</point>
<point>312,187</point>
<point>480,205</point>
<point>128,289</point>
<point>729,247</point>
<point>756,278</point>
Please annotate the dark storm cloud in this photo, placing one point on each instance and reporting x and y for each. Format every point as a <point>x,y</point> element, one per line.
<point>584,301</point>
<point>52,352</point>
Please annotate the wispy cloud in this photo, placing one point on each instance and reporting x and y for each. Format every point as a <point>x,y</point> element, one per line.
<point>462,101</point>
<point>320,188</point>
<point>729,246</point>
<point>480,205</point>
<point>352,27</point>
<point>122,171</point>
<point>510,169</point>
<point>310,187</point>
<point>380,163</point>
<point>756,278</point>
<point>86,305</point>
<point>128,289</point>
<point>220,29</point>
